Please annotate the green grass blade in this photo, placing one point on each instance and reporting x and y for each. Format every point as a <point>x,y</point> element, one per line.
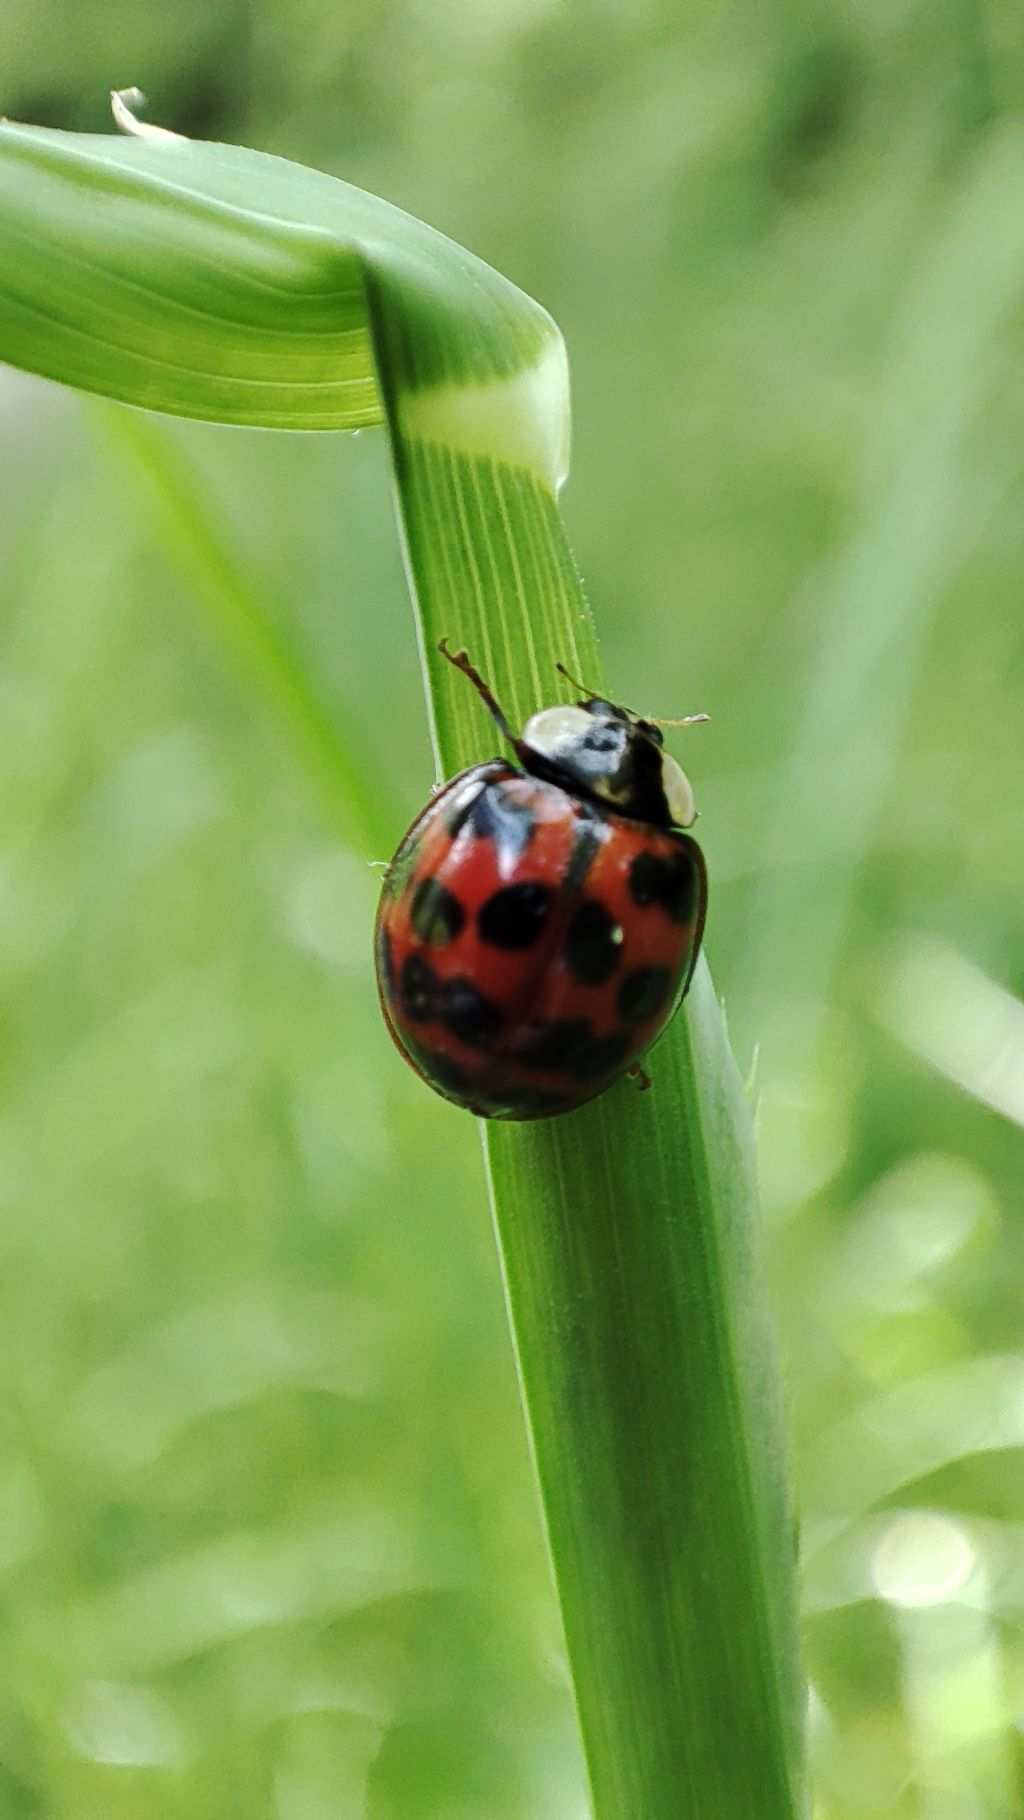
<point>210,281</point>
<point>627,1237</point>
<point>662,1476</point>
<point>215,282</point>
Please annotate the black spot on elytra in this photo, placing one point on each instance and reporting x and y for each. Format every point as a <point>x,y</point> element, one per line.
<point>439,1069</point>
<point>557,1045</point>
<point>463,1010</point>
<point>669,881</point>
<point>593,945</point>
<point>515,916</point>
<point>498,816</point>
<point>643,993</point>
<point>601,1057</point>
<point>455,1003</point>
<point>436,915</point>
<point>418,988</point>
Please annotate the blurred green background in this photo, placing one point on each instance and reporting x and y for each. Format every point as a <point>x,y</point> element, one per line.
<point>268,1539</point>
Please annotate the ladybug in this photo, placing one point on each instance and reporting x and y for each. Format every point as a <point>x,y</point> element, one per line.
<point>539,924</point>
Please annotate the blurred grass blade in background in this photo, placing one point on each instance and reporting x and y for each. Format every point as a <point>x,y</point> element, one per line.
<point>209,281</point>
<point>236,609</point>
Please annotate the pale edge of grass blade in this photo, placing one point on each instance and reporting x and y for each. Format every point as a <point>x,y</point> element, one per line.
<point>627,1236</point>
<point>213,281</point>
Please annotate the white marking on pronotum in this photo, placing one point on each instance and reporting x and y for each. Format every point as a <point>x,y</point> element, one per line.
<point>123,105</point>
<point>523,420</point>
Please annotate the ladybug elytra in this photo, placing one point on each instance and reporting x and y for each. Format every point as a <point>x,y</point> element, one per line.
<point>539,924</point>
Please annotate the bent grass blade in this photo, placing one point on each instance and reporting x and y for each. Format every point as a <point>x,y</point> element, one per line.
<point>211,281</point>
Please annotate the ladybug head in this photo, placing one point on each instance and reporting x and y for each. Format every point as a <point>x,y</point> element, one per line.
<point>612,754</point>
<point>598,750</point>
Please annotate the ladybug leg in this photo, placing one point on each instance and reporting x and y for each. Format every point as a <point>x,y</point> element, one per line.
<point>640,1076</point>
<point>460,659</point>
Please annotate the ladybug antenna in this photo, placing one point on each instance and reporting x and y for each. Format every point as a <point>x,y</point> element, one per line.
<point>591,694</point>
<point>460,659</point>
<point>689,720</point>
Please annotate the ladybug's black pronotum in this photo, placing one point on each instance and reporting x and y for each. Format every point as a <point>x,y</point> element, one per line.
<point>540,922</point>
